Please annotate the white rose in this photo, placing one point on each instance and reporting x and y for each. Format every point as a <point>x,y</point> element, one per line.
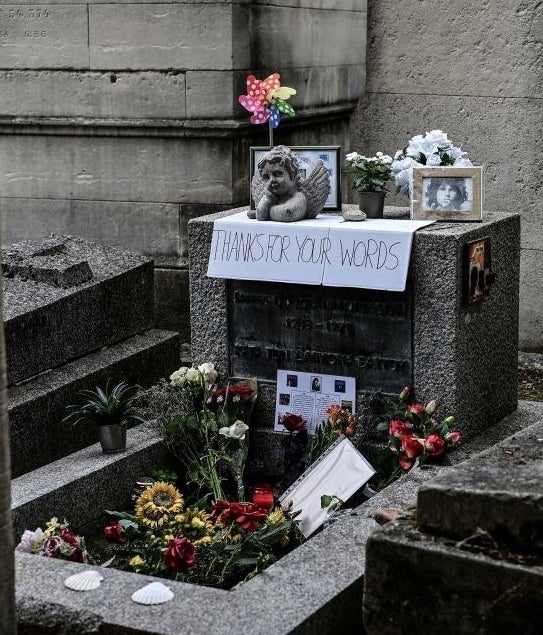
<point>179,377</point>
<point>209,372</point>
<point>433,159</point>
<point>236,431</point>
<point>29,539</point>
<point>352,156</point>
<point>463,162</point>
<point>439,137</point>
<point>193,375</point>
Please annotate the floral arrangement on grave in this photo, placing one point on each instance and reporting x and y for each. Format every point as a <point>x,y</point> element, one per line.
<point>57,541</point>
<point>432,149</point>
<point>110,410</point>
<point>339,421</point>
<point>207,533</point>
<point>266,100</point>
<point>280,191</point>
<point>415,436</point>
<point>369,174</point>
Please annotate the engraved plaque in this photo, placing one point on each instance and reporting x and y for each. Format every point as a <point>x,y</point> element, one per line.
<point>353,332</point>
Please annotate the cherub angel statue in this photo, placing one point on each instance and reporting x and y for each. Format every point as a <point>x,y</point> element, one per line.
<point>282,194</point>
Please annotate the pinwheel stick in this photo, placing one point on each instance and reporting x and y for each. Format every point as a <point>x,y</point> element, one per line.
<point>270,132</point>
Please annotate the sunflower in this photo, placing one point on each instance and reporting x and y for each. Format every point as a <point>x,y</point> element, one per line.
<point>193,523</point>
<point>157,503</point>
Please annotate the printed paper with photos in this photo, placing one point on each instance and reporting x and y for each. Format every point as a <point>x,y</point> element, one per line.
<point>310,394</point>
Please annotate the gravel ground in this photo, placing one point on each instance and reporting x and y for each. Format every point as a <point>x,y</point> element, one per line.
<point>530,377</point>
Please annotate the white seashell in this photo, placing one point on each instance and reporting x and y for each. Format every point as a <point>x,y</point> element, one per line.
<point>154,593</point>
<point>84,581</point>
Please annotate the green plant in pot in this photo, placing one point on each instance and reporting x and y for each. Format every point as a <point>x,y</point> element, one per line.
<point>370,175</point>
<point>110,410</point>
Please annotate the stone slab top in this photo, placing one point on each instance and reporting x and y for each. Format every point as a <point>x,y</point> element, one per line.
<point>499,491</point>
<point>40,272</point>
<point>390,212</point>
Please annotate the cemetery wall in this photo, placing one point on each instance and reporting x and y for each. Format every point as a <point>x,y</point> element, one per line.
<point>120,120</point>
<point>474,70</point>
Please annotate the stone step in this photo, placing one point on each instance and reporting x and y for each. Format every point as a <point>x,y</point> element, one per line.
<point>499,491</point>
<point>65,297</point>
<point>36,407</point>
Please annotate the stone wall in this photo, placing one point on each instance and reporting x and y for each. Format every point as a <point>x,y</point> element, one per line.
<point>120,120</point>
<point>475,70</point>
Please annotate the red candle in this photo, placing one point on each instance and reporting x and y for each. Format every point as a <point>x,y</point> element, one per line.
<point>263,497</point>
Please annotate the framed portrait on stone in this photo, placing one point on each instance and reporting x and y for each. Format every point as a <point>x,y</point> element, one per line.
<point>308,156</point>
<point>477,270</point>
<point>447,193</point>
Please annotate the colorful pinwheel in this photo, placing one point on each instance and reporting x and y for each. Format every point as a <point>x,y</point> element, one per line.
<point>266,100</point>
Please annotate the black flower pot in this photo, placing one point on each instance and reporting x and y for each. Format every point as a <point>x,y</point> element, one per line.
<point>372,203</point>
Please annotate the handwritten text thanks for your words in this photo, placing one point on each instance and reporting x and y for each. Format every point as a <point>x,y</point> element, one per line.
<point>371,255</point>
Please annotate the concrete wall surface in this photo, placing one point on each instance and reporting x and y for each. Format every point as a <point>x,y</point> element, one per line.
<point>120,120</point>
<point>474,70</point>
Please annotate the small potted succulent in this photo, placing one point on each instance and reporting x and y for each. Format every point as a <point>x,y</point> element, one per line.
<point>110,411</point>
<point>370,175</point>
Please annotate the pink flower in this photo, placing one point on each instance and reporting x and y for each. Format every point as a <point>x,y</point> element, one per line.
<point>454,437</point>
<point>431,407</point>
<point>51,547</point>
<point>397,428</point>
<point>412,446</point>
<point>434,445</point>
<point>406,391</point>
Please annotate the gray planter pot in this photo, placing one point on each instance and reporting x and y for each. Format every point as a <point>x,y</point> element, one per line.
<point>112,438</point>
<point>372,203</point>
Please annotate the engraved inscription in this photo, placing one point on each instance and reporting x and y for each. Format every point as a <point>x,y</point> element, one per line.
<point>354,332</point>
<point>25,12</point>
<point>25,22</point>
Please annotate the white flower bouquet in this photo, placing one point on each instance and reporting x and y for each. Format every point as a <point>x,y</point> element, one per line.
<point>432,149</point>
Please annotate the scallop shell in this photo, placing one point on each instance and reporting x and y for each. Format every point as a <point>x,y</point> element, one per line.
<point>84,581</point>
<point>154,593</point>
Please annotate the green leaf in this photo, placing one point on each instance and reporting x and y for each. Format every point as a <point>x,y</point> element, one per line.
<point>246,562</point>
<point>383,426</point>
<point>326,500</point>
<point>173,425</point>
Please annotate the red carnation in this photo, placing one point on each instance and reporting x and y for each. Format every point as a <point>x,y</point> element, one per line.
<point>416,409</point>
<point>397,428</point>
<point>434,445</point>
<point>412,446</point>
<point>179,554</point>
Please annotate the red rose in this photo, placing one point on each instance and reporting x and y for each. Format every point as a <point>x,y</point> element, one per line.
<point>179,554</point>
<point>397,428</point>
<point>292,422</point>
<point>218,508</point>
<point>248,515</point>
<point>114,532</point>
<point>412,446</point>
<point>434,445</point>
<point>69,537</point>
<point>416,409</point>
<point>454,437</point>
<point>77,555</point>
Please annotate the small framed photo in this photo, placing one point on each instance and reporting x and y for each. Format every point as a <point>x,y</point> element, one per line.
<point>447,193</point>
<point>477,270</point>
<point>308,158</point>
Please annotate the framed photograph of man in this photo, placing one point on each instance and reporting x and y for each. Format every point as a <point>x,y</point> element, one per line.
<point>447,193</point>
<point>308,158</point>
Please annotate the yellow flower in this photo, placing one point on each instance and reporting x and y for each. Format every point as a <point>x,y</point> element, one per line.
<point>202,541</point>
<point>137,562</point>
<point>157,503</point>
<point>275,517</point>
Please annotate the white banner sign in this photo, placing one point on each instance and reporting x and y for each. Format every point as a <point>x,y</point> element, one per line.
<point>373,254</point>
